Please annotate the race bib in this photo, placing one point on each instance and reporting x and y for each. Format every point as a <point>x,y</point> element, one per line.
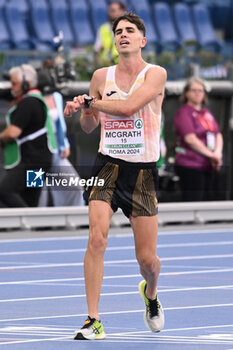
<point>210,138</point>
<point>123,137</point>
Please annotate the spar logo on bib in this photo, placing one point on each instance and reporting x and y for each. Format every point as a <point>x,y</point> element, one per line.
<point>118,124</point>
<point>138,123</point>
<point>123,124</point>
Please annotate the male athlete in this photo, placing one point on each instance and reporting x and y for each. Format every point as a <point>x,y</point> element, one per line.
<point>126,100</point>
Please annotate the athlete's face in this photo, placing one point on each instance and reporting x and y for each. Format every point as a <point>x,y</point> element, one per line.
<point>128,38</point>
<point>16,86</point>
<point>195,94</point>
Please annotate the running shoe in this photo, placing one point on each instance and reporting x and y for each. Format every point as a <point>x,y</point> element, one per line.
<point>153,315</point>
<point>92,330</point>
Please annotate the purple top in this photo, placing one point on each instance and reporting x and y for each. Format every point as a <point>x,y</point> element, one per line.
<point>201,123</point>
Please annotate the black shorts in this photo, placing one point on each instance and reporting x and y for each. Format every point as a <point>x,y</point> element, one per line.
<point>129,186</point>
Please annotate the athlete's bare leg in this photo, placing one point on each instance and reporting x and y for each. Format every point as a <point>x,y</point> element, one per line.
<point>145,229</point>
<point>100,214</point>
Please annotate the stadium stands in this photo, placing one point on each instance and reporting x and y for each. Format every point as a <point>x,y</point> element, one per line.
<point>168,22</point>
<point>80,23</point>
<point>22,6</point>
<point>17,29</point>
<point>204,29</point>
<point>40,19</point>
<point>179,30</point>
<point>184,24</point>
<point>220,12</point>
<point>5,40</point>
<point>166,29</point>
<point>98,13</point>
<point>61,21</point>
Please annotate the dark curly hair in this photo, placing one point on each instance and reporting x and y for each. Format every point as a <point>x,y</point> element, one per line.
<point>132,18</point>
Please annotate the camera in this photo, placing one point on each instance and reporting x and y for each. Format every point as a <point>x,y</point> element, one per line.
<point>54,73</point>
<point>52,78</point>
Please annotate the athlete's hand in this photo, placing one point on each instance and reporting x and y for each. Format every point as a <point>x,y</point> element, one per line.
<point>80,100</point>
<point>71,108</point>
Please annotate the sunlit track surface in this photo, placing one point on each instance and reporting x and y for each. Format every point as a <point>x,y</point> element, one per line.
<point>42,293</point>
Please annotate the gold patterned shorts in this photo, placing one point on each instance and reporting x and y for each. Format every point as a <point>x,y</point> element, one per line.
<point>126,185</point>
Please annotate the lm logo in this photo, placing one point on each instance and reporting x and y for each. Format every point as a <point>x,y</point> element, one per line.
<point>35,178</point>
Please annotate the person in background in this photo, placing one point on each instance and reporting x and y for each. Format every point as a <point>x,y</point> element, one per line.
<point>28,140</point>
<point>199,142</point>
<point>104,46</point>
<point>60,164</point>
<point>163,148</point>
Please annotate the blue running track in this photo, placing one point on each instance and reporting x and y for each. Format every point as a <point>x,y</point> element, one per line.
<point>42,294</point>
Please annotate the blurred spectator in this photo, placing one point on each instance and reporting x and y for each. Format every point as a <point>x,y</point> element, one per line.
<point>73,195</point>
<point>163,149</point>
<point>199,143</point>
<point>28,139</point>
<point>104,44</point>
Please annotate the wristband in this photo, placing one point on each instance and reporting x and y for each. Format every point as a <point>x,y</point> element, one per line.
<point>93,101</point>
<point>87,111</point>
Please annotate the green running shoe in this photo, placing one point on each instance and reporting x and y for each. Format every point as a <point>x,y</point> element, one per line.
<point>92,330</point>
<point>153,315</point>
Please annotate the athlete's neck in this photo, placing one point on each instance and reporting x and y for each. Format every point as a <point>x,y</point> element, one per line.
<point>130,64</point>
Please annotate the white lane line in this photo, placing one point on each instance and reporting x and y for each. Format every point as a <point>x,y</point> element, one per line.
<point>164,340</point>
<point>64,297</point>
<point>175,329</point>
<point>47,239</point>
<point>161,341</point>
<point>116,312</point>
<point>40,330</point>
<point>224,287</point>
<point>119,235</point>
<point>35,333</point>
<point>177,273</point>
<point>196,272</point>
<point>33,340</point>
<point>174,338</point>
<point>198,257</point>
<point>67,279</point>
<point>113,277</point>
<point>195,231</point>
<point>155,340</point>
<point>130,247</point>
<point>61,251</point>
<point>179,258</point>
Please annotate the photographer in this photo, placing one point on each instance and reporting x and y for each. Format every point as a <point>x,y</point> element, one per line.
<point>28,140</point>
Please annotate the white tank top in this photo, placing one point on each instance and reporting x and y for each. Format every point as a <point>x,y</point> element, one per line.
<point>134,138</point>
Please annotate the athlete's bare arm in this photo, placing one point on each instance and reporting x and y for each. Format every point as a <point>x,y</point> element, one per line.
<point>89,119</point>
<point>152,87</point>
